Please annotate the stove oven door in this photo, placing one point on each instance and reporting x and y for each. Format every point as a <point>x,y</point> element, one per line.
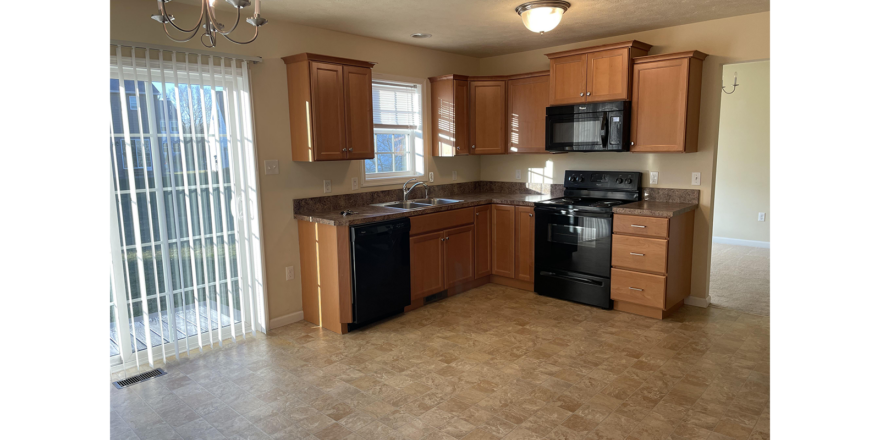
<point>573,241</point>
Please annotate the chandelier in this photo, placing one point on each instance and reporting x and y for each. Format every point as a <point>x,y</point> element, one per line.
<point>208,22</point>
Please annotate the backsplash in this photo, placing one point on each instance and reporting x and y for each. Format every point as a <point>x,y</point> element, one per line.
<point>346,201</point>
<point>671,195</point>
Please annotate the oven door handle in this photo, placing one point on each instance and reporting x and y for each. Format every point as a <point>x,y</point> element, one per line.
<point>568,277</point>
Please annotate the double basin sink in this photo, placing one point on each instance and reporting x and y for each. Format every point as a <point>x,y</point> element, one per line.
<point>409,205</point>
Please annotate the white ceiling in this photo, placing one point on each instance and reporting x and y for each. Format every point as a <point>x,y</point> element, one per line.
<point>483,28</point>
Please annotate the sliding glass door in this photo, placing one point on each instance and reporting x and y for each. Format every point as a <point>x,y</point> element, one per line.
<point>185,264</point>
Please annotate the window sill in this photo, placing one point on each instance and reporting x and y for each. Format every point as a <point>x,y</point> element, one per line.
<point>396,180</point>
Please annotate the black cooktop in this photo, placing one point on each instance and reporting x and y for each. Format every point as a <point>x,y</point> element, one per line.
<point>597,190</point>
<point>583,202</point>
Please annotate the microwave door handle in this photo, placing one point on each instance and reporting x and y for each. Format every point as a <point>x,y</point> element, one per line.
<point>603,132</point>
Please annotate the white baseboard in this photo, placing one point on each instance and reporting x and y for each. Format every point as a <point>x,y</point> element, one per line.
<point>286,319</point>
<point>699,302</point>
<point>738,242</point>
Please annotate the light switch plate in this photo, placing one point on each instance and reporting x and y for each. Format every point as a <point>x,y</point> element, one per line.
<point>518,174</point>
<point>327,186</point>
<point>288,271</point>
<point>655,176</point>
<point>271,166</point>
<point>695,178</point>
<point>431,177</point>
<point>761,216</point>
<point>455,175</point>
<point>354,183</point>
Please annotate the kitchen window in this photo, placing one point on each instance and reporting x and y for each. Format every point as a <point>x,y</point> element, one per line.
<point>397,133</point>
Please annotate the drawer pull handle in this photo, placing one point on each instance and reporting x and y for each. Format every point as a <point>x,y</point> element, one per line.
<point>638,226</point>
<point>635,288</point>
<point>636,254</point>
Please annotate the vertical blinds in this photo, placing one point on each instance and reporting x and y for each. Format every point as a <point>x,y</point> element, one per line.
<point>186,267</point>
<point>396,105</point>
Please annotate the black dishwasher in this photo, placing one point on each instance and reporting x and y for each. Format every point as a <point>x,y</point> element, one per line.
<point>379,271</point>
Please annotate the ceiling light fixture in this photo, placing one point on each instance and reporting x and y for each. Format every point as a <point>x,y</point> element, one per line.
<point>211,26</point>
<point>421,35</point>
<point>542,16</point>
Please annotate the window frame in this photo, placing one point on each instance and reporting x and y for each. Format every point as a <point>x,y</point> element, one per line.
<point>398,177</point>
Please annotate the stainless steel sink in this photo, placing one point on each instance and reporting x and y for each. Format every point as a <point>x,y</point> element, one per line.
<point>408,205</point>
<point>436,201</point>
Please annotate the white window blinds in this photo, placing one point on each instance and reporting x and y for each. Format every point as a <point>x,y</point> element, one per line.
<point>396,105</point>
<point>186,267</point>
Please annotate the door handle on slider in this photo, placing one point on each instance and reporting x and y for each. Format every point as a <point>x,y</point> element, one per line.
<point>637,254</point>
<point>635,288</point>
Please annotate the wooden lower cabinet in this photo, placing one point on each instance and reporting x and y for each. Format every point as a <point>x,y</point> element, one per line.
<point>482,241</point>
<point>651,263</point>
<point>525,244</point>
<point>503,240</point>
<point>427,264</point>
<point>458,245</point>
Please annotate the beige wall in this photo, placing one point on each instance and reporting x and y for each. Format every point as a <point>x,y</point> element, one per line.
<point>730,40</point>
<point>742,185</point>
<point>130,21</point>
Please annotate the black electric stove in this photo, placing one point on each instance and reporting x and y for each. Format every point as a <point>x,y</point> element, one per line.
<point>573,235</point>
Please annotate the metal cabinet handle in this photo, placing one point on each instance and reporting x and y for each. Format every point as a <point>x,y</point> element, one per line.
<point>349,150</point>
<point>458,148</point>
<point>632,143</point>
<point>473,146</point>
<point>635,288</point>
<point>582,94</point>
<point>588,94</point>
<point>531,215</point>
<point>638,255</point>
<point>637,226</point>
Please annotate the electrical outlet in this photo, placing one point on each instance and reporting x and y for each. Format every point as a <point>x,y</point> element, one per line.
<point>354,183</point>
<point>760,216</point>
<point>655,176</point>
<point>455,175</point>
<point>288,271</point>
<point>271,166</point>
<point>518,174</point>
<point>695,178</point>
<point>431,177</point>
<point>326,186</point>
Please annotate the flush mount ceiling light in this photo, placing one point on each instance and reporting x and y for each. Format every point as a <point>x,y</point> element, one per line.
<point>421,35</point>
<point>542,16</point>
<point>208,22</point>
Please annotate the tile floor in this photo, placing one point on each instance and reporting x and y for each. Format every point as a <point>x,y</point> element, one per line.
<point>741,278</point>
<point>494,362</point>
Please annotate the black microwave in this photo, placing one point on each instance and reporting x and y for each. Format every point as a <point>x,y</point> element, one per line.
<point>601,126</point>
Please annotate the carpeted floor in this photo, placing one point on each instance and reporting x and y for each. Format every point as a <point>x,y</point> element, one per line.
<point>741,278</point>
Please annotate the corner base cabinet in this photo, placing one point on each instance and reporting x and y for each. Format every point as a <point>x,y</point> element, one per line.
<point>331,108</point>
<point>651,263</point>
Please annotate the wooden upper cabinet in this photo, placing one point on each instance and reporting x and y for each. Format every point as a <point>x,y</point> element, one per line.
<point>503,240</point>
<point>528,96</point>
<point>449,116</point>
<point>427,264</point>
<point>459,249</point>
<point>666,103</point>
<point>487,114</point>
<point>358,87</point>
<point>482,241</point>
<point>525,244</point>
<point>330,102</point>
<point>593,74</point>
<point>568,80</point>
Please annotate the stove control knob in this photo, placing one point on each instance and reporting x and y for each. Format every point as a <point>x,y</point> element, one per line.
<point>619,180</point>
<point>571,178</point>
<point>579,178</point>
<point>629,181</point>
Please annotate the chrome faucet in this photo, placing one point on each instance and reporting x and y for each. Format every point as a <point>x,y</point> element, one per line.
<point>406,191</point>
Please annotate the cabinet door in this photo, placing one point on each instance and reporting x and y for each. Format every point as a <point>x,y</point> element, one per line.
<point>483,241</point>
<point>488,125</point>
<point>659,106</point>
<point>568,80</point>
<point>460,133</point>
<point>525,243</point>
<point>503,240</point>
<point>328,112</point>
<point>359,111</point>
<point>459,249</point>
<point>528,99</point>
<point>427,265</point>
<point>608,75</point>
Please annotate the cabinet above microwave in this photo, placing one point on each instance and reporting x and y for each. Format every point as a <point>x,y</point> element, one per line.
<point>594,74</point>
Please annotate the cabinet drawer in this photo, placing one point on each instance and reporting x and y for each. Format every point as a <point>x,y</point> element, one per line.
<point>647,254</point>
<point>421,224</point>
<point>638,288</point>
<point>637,225</point>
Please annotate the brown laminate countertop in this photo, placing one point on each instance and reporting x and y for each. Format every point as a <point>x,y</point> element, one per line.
<point>369,214</point>
<point>649,208</point>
